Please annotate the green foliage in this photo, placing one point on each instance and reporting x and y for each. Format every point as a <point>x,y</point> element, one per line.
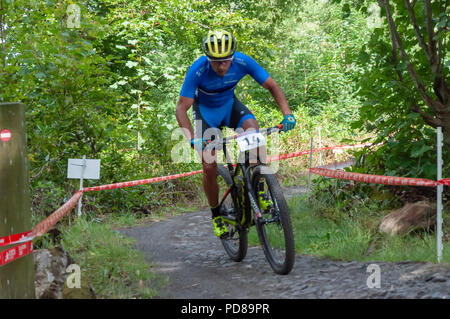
<point>108,89</point>
<point>312,61</point>
<point>345,227</point>
<point>393,105</point>
<point>109,263</point>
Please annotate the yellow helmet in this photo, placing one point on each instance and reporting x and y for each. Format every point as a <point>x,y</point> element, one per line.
<point>219,45</point>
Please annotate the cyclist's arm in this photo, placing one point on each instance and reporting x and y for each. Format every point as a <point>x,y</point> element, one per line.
<point>277,94</point>
<point>183,105</point>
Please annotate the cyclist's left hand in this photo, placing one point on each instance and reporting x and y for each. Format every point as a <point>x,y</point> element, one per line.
<point>288,122</point>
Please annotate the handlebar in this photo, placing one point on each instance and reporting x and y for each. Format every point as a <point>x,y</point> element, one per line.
<point>266,131</point>
<point>226,140</point>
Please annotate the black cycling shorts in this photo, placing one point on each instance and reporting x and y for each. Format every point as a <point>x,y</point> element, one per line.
<point>239,114</point>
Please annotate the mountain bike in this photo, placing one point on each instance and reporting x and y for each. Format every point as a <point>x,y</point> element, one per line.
<point>252,197</point>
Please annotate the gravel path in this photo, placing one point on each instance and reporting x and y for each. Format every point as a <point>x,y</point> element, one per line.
<point>186,250</point>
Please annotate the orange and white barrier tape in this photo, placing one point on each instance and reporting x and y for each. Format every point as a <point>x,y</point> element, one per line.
<point>51,220</point>
<point>25,238</point>
<point>315,150</point>
<point>444,181</point>
<point>44,226</point>
<point>375,179</point>
<point>16,252</point>
<point>15,239</point>
<point>140,182</point>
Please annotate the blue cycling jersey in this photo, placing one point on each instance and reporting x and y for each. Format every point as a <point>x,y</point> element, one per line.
<point>215,94</point>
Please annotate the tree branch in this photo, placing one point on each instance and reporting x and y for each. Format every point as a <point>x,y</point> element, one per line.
<point>397,44</point>
<point>430,26</point>
<point>421,40</point>
<point>429,119</point>
<point>394,45</point>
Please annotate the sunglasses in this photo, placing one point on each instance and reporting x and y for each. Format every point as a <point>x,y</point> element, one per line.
<point>220,60</point>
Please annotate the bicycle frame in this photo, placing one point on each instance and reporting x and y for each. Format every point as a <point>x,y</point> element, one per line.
<point>278,246</point>
<point>234,172</point>
<point>248,188</point>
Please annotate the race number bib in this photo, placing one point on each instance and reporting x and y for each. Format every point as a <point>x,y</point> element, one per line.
<point>250,141</point>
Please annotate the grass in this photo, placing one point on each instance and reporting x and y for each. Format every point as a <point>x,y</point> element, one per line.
<point>108,260</point>
<point>357,237</point>
<point>399,248</point>
<point>323,227</point>
<point>111,265</point>
<point>333,232</point>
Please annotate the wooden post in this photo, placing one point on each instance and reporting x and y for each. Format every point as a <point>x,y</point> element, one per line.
<point>17,277</point>
<point>81,185</point>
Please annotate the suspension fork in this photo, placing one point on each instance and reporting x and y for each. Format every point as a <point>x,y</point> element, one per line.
<point>249,188</point>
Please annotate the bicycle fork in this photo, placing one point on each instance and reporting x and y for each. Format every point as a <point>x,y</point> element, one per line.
<point>249,192</point>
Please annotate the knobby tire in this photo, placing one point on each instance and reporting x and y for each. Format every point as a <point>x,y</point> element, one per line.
<point>284,243</point>
<point>236,244</point>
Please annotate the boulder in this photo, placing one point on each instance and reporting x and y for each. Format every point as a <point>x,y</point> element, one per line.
<point>412,216</point>
<point>50,268</point>
<point>51,275</point>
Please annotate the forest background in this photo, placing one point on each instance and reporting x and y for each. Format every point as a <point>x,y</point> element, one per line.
<point>102,78</point>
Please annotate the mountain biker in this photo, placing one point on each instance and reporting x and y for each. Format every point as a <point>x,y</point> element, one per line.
<point>209,86</point>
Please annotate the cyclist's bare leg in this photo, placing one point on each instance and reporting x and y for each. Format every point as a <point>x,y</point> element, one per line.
<point>211,188</point>
<point>250,124</point>
<point>210,185</point>
<point>209,163</point>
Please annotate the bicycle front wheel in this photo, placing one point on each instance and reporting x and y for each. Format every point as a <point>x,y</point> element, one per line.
<point>274,227</point>
<point>236,242</point>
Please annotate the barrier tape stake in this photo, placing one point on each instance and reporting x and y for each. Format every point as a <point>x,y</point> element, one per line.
<point>439,195</point>
<point>81,184</point>
<point>320,146</point>
<point>310,165</point>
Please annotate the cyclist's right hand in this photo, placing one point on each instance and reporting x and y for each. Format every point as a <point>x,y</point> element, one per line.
<point>199,144</point>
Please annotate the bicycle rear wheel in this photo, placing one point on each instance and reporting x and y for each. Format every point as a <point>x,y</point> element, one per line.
<point>274,228</point>
<point>235,244</point>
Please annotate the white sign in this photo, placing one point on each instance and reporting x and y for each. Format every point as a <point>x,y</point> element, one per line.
<point>248,141</point>
<point>83,168</point>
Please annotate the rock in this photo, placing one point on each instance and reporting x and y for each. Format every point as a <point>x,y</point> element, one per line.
<point>428,272</point>
<point>50,267</point>
<point>412,216</point>
<point>50,281</point>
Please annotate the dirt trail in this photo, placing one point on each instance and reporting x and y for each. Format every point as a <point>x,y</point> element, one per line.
<point>186,250</point>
